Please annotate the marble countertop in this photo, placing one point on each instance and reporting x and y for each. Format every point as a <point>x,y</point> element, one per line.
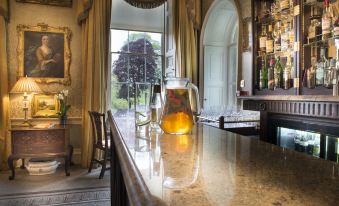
<point>216,167</point>
<point>317,98</point>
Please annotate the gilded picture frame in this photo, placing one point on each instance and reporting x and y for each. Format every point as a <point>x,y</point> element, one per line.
<point>45,105</point>
<point>44,53</point>
<point>64,3</point>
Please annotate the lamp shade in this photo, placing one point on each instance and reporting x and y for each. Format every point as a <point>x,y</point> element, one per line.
<point>26,84</point>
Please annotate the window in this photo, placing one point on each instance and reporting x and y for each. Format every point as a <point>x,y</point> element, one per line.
<point>136,57</point>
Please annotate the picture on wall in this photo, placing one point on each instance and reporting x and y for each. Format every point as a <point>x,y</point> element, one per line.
<point>45,105</point>
<point>43,53</point>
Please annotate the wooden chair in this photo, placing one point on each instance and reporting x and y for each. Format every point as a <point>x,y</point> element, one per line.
<point>101,142</point>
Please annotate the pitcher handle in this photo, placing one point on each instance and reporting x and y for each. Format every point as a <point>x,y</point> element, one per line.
<point>197,98</point>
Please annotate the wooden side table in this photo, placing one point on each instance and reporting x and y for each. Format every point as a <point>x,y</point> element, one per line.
<point>28,142</point>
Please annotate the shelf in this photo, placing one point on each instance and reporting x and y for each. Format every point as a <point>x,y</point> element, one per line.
<point>281,53</point>
<point>319,4</point>
<point>320,42</point>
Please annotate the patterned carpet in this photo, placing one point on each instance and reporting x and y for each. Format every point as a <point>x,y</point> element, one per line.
<point>80,188</point>
<point>99,196</point>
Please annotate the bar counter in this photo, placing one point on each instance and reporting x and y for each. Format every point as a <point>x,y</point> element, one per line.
<point>214,167</point>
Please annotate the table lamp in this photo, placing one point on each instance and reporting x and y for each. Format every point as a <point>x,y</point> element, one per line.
<point>26,85</point>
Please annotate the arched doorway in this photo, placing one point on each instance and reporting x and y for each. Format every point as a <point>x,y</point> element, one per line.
<point>220,55</point>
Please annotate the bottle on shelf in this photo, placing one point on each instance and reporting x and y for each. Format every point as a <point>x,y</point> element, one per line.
<point>287,74</point>
<point>265,9</point>
<point>271,75</point>
<point>277,36</point>
<point>269,40</point>
<point>262,39</point>
<point>336,77</point>
<point>320,68</point>
<point>263,75</point>
<point>291,36</point>
<point>329,74</point>
<point>285,37</point>
<point>311,74</point>
<point>326,20</point>
<point>278,74</point>
<point>336,25</point>
<point>284,4</point>
<point>156,106</point>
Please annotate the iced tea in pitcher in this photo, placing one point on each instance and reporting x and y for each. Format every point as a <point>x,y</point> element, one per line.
<point>177,117</point>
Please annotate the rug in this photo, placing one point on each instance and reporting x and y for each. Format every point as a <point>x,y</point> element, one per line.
<point>99,196</point>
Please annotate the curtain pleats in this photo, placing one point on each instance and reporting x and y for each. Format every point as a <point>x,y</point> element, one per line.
<point>95,38</point>
<point>5,142</point>
<point>186,40</point>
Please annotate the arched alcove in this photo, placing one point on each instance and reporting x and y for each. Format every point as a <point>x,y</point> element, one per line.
<point>219,40</point>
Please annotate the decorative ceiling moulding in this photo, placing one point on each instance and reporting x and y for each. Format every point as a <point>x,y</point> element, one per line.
<point>145,4</point>
<point>64,3</point>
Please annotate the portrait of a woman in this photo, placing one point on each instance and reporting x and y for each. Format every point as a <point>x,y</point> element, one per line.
<point>43,58</point>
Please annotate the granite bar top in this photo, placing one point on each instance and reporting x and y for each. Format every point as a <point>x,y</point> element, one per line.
<point>216,167</point>
<point>312,98</point>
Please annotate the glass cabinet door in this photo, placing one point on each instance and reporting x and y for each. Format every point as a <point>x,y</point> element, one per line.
<point>301,141</point>
<point>332,148</point>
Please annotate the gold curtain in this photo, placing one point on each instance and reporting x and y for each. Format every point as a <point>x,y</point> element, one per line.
<point>4,101</point>
<point>186,26</point>
<point>95,39</point>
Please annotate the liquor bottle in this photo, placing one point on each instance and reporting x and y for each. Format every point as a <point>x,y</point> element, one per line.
<point>291,36</point>
<point>277,36</point>
<point>326,21</point>
<point>336,27</point>
<point>311,74</point>
<point>287,74</point>
<point>336,77</point>
<point>320,68</point>
<point>329,74</point>
<point>156,106</point>
<point>278,74</point>
<point>284,4</point>
<point>263,75</point>
<point>265,9</point>
<point>262,39</point>
<point>270,74</point>
<point>269,40</point>
<point>285,38</point>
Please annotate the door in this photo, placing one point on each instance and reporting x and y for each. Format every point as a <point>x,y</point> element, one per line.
<point>215,82</point>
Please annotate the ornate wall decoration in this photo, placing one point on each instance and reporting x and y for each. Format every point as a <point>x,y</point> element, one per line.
<point>66,3</point>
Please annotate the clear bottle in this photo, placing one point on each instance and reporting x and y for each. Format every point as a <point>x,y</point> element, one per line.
<point>262,39</point>
<point>311,74</point>
<point>320,68</point>
<point>271,75</point>
<point>285,38</point>
<point>269,40</point>
<point>277,36</point>
<point>329,74</point>
<point>326,20</point>
<point>156,105</point>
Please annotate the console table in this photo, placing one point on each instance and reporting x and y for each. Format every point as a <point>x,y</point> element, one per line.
<point>29,142</point>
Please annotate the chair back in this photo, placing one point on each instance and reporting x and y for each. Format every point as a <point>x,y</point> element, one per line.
<point>100,136</point>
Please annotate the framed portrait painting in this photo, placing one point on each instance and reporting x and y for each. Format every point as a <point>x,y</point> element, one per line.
<point>45,105</point>
<point>44,53</point>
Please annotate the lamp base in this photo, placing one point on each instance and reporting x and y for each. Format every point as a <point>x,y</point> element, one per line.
<point>25,124</point>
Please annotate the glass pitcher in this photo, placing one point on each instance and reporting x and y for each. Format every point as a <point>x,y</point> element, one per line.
<point>177,115</point>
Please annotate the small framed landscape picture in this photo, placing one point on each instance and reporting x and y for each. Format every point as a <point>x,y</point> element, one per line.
<point>45,105</point>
